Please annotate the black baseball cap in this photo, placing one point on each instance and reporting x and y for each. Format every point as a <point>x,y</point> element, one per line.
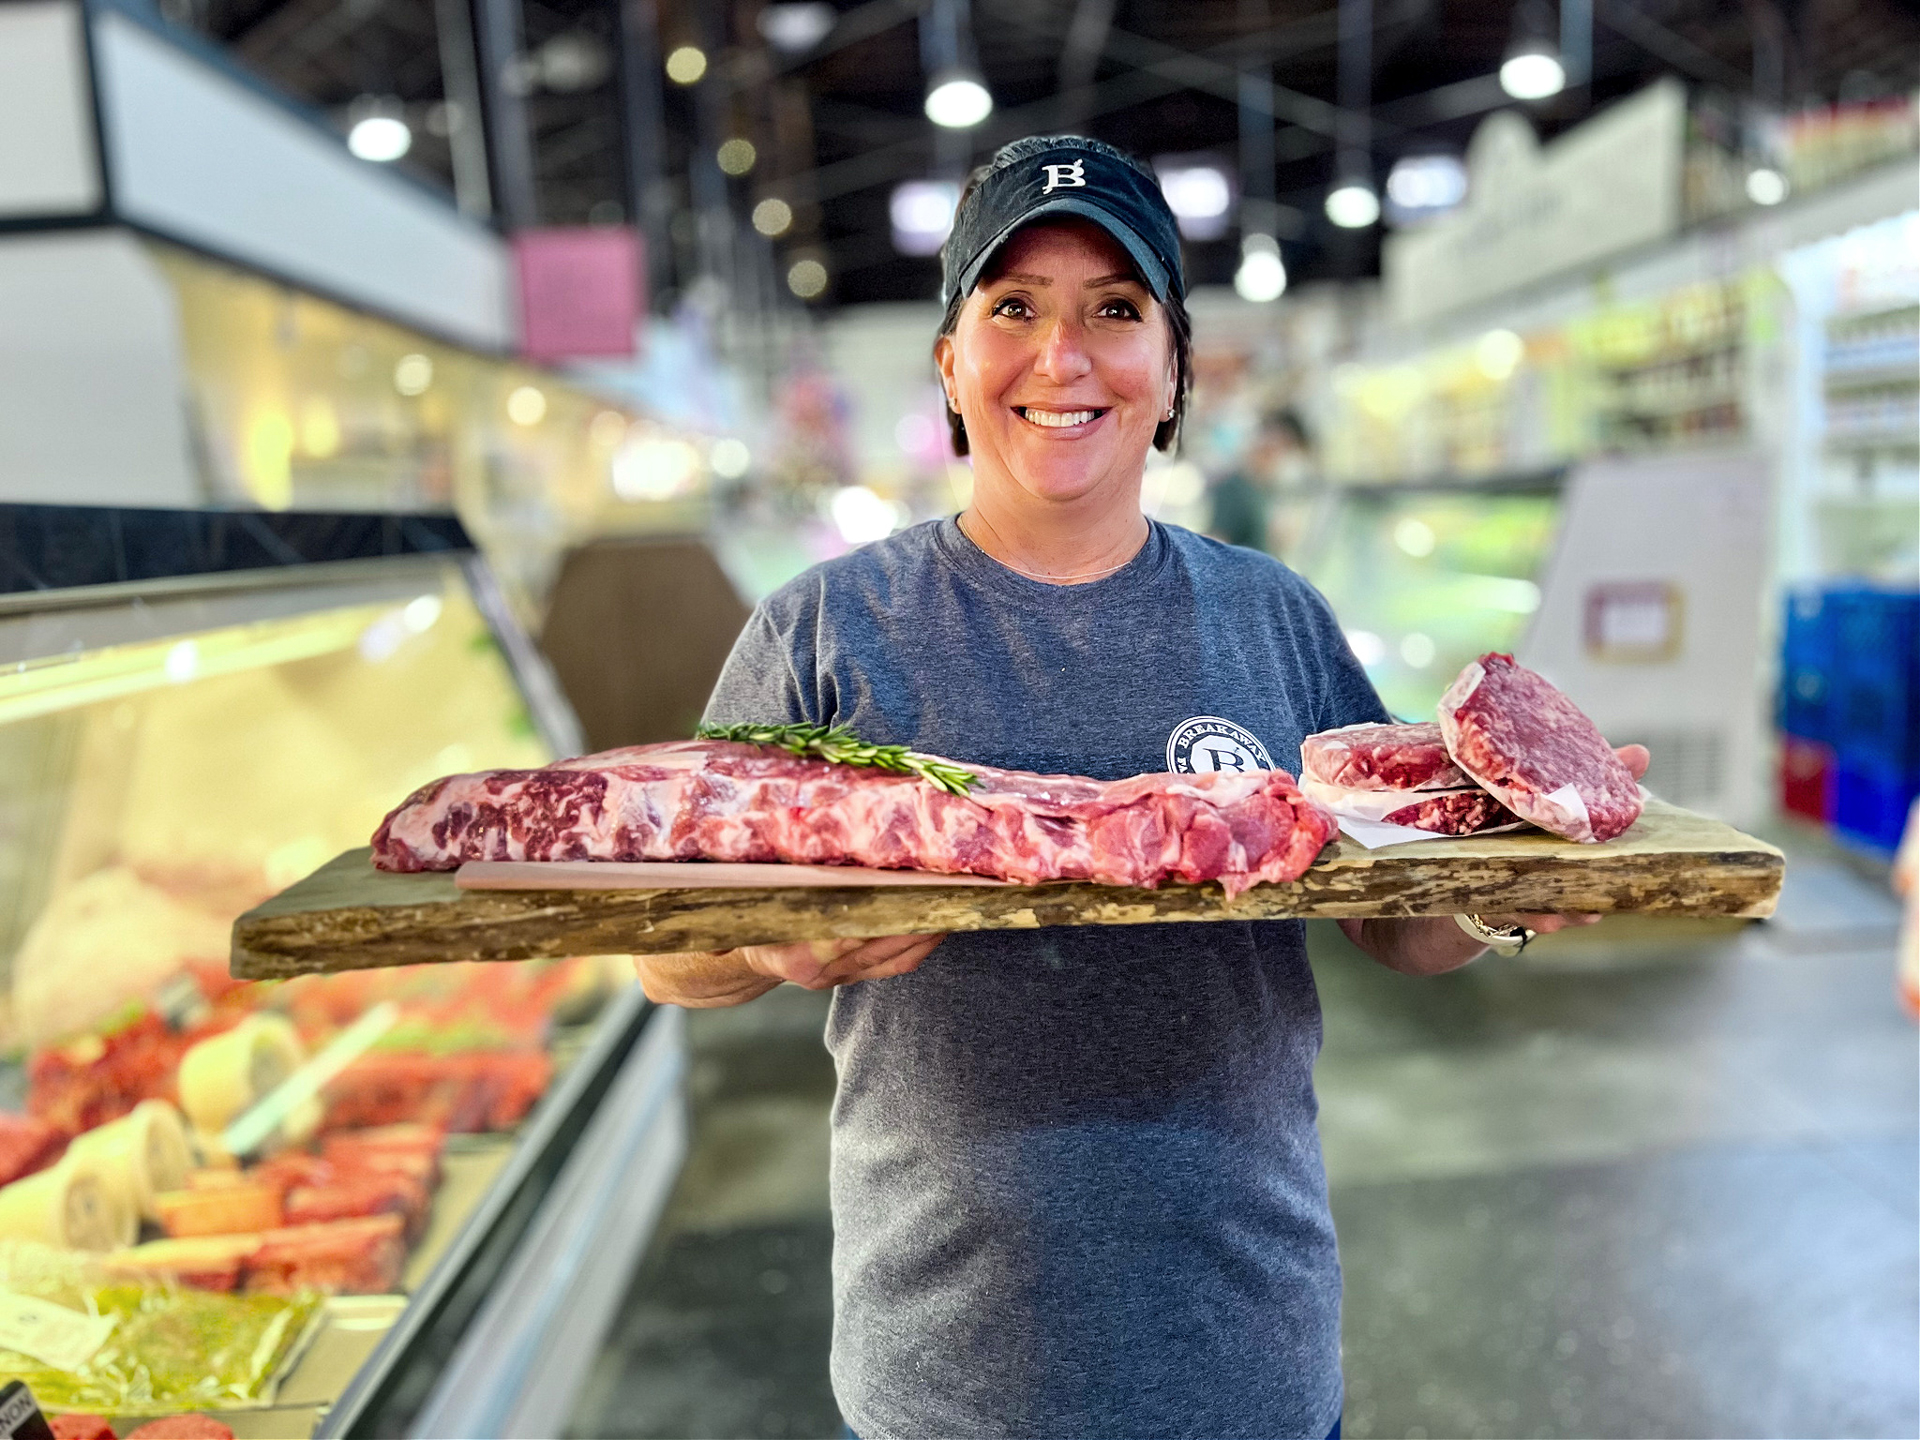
<point>1064,175</point>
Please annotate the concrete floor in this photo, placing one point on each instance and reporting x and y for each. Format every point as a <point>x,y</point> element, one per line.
<point>1649,1180</point>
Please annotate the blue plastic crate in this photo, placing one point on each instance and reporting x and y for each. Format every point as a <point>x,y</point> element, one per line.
<point>1872,702</point>
<point>1870,802</point>
<point>1803,706</point>
<point>1806,633</point>
<point>1874,637</point>
<point>1806,665</point>
<point>1876,723</point>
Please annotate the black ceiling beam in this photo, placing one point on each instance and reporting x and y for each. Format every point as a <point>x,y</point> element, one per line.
<point>1664,45</point>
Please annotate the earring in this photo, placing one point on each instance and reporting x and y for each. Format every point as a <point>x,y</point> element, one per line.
<point>1169,414</point>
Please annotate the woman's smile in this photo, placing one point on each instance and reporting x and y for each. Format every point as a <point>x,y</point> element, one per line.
<point>1078,421</point>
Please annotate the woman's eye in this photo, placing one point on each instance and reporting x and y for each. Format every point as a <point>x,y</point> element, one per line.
<point>1013,306</point>
<point>1121,310</point>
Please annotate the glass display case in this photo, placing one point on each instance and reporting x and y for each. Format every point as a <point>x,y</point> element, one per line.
<point>348,1204</point>
<point>1425,580</point>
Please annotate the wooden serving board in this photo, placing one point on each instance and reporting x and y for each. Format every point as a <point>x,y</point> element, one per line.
<point>691,875</point>
<point>349,916</point>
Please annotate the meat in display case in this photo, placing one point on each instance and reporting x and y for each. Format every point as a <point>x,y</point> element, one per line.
<point>344,1204</point>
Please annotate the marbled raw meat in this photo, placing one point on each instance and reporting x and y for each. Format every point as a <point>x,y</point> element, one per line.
<point>1381,757</point>
<point>1453,812</point>
<point>1465,811</point>
<point>1516,734</point>
<point>718,800</point>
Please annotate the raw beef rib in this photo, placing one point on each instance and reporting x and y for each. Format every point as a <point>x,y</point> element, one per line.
<point>1516,734</point>
<point>718,800</point>
<point>1382,757</point>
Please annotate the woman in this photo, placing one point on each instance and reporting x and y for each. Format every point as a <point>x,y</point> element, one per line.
<point>1077,1187</point>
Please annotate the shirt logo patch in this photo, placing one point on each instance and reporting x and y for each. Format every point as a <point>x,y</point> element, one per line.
<point>1206,744</point>
<point>1065,177</point>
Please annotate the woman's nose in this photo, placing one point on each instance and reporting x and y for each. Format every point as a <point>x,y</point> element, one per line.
<point>1063,352</point>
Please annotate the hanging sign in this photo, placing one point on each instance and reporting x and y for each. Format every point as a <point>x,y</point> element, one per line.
<point>581,291</point>
<point>1533,211</point>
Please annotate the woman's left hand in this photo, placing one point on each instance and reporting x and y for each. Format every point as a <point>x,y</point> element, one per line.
<point>1432,945</point>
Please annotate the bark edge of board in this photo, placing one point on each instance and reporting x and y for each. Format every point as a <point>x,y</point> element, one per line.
<point>349,916</point>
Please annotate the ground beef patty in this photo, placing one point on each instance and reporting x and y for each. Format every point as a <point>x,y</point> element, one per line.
<point>1382,757</point>
<point>1515,734</point>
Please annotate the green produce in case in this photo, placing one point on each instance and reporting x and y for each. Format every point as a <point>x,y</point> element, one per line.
<point>165,1348</point>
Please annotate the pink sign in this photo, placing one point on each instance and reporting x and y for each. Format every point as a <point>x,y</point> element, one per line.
<point>580,290</point>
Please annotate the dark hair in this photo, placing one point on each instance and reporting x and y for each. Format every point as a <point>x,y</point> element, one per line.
<point>1179,324</point>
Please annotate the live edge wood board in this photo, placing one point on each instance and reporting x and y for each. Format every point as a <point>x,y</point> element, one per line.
<point>349,916</point>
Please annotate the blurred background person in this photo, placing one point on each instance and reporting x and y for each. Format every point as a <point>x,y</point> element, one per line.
<point>1278,460</point>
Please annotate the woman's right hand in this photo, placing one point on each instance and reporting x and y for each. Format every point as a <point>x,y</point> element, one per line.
<point>708,979</point>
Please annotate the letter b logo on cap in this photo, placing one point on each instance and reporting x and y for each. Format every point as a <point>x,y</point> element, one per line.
<point>1065,177</point>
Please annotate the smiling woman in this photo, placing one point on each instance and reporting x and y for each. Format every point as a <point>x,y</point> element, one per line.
<point>1076,1182</point>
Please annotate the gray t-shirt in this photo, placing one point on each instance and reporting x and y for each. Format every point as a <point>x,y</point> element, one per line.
<point>1077,1187</point>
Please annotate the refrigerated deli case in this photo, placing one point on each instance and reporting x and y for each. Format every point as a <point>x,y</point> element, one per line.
<point>376,1203</point>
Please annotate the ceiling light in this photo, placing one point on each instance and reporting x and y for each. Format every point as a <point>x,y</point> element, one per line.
<point>772,217</point>
<point>526,406</point>
<point>1262,275</point>
<point>379,134</point>
<point>573,61</point>
<point>1766,186</point>
<point>1532,71</point>
<point>737,156</point>
<point>686,65</point>
<point>807,278</point>
<point>797,27</point>
<point>1199,194</point>
<point>413,374</point>
<point>958,100</point>
<point>729,458</point>
<point>1499,353</point>
<point>922,214</point>
<point>1353,205</point>
<point>1420,187</point>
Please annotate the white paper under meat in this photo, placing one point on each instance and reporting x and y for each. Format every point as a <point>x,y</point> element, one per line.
<point>1362,813</point>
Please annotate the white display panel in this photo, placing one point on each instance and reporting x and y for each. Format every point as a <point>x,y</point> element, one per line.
<point>92,381</point>
<point>198,155</point>
<point>1650,618</point>
<point>48,167</point>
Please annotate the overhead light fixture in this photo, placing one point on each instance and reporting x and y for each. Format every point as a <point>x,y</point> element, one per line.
<point>1532,71</point>
<point>794,28</point>
<point>378,129</point>
<point>922,213</point>
<point>807,279</point>
<point>1352,205</point>
<point>1199,194</point>
<point>526,406</point>
<point>773,216</point>
<point>1498,353</point>
<point>958,99</point>
<point>1420,187</point>
<point>729,458</point>
<point>686,65</point>
<point>1262,275</point>
<point>1766,186</point>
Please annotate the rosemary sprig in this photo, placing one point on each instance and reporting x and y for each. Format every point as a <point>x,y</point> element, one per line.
<point>838,744</point>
